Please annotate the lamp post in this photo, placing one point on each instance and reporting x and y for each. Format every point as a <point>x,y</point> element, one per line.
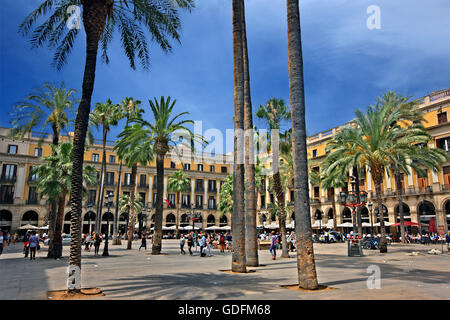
<point>370,205</point>
<point>354,201</point>
<point>108,204</point>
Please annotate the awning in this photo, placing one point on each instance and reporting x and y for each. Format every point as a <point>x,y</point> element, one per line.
<point>28,227</point>
<point>409,224</point>
<point>271,226</point>
<point>345,225</point>
<point>386,224</point>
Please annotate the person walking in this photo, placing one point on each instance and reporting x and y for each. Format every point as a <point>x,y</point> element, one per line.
<point>190,241</point>
<point>273,245</point>
<point>202,246</point>
<point>34,242</point>
<point>222,242</point>
<point>229,241</point>
<point>87,242</point>
<point>97,241</point>
<point>2,242</point>
<point>447,239</point>
<point>182,245</point>
<point>143,241</point>
<point>209,241</point>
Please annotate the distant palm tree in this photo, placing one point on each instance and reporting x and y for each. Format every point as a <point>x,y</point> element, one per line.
<point>101,18</point>
<point>129,109</point>
<point>163,134</point>
<point>104,115</point>
<point>274,113</point>
<point>55,183</point>
<point>178,182</point>
<point>307,276</point>
<point>125,204</point>
<point>386,135</point>
<point>135,147</point>
<point>225,204</point>
<point>50,106</point>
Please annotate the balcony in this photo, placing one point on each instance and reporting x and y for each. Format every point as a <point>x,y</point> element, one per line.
<point>143,186</point>
<point>32,201</point>
<point>91,204</point>
<point>110,184</point>
<point>7,179</point>
<point>212,190</point>
<point>126,185</point>
<point>314,201</point>
<point>212,207</point>
<point>445,187</point>
<point>199,206</point>
<point>199,189</point>
<point>7,200</point>
<point>185,206</point>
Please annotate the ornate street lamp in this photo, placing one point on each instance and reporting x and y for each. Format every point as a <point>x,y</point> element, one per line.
<point>108,204</point>
<point>353,200</point>
<point>370,205</point>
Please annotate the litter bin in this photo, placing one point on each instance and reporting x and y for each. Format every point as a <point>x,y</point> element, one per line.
<point>354,248</point>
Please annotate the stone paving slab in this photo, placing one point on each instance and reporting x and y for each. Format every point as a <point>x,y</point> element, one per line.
<point>133,274</point>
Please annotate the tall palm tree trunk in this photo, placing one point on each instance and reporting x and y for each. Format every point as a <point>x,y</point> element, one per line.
<point>53,207</point>
<point>102,185</point>
<point>358,209</point>
<point>238,263</point>
<point>281,214</point>
<point>157,234</point>
<point>177,222</point>
<point>383,242</point>
<point>60,219</point>
<point>132,213</point>
<point>116,215</point>
<point>251,244</point>
<point>94,19</point>
<point>333,204</point>
<point>307,276</point>
<point>400,204</point>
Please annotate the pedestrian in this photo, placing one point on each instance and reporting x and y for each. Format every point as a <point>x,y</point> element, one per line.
<point>182,245</point>
<point>87,242</point>
<point>447,239</point>
<point>202,246</point>
<point>2,242</point>
<point>273,245</point>
<point>209,241</point>
<point>229,241</point>
<point>222,242</point>
<point>143,241</point>
<point>190,242</point>
<point>97,241</point>
<point>34,242</point>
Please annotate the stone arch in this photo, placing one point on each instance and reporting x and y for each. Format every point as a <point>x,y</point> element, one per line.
<point>365,215</point>
<point>89,222</point>
<point>170,220</point>
<point>330,213</point>
<point>5,220</point>
<point>346,215</point>
<point>446,209</point>
<point>263,218</point>
<point>223,221</point>
<point>426,210</point>
<point>123,222</point>
<point>184,220</point>
<point>107,223</point>
<point>385,213</point>
<point>30,217</point>
<point>66,226</point>
<point>210,220</point>
<point>406,212</point>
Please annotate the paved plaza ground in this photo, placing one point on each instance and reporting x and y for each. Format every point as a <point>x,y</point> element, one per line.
<point>130,274</point>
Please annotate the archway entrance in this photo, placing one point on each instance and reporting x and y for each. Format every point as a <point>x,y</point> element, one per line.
<point>89,222</point>
<point>447,213</point>
<point>426,211</point>
<point>107,223</point>
<point>5,220</point>
<point>66,226</point>
<point>170,220</point>
<point>210,221</point>
<point>30,217</point>
<point>123,223</point>
<point>406,217</point>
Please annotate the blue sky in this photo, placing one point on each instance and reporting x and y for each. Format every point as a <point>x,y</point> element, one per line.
<point>346,65</point>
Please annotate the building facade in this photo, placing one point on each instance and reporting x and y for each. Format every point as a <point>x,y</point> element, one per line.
<point>20,204</point>
<point>424,197</point>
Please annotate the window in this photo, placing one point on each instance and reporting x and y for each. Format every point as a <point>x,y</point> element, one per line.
<point>38,152</point>
<point>272,198</point>
<point>171,199</point>
<point>112,159</point>
<point>142,194</point>
<point>143,180</point>
<point>186,200</point>
<point>127,179</point>
<point>199,167</point>
<point>199,185</point>
<point>212,186</point>
<point>198,201</point>
<point>442,117</point>
<point>12,149</point>
<point>444,144</point>
<point>32,196</point>
<point>109,178</point>
<point>7,194</point>
<point>316,192</point>
<point>211,203</point>
<point>263,201</point>
<point>92,197</point>
<point>172,165</point>
<point>32,177</point>
<point>187,166</point>
<point>314,153</point>
<point>224,169</point>
<point>291,196</point>
<point>212,169</point>
<point>110,194</point>
<point>9,172</point>
<point>95,157</point>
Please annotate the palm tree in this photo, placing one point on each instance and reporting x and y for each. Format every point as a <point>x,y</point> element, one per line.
<point>332,181</point>
<point>135,147</point>
<point>104,115</point>
<point>251,244</point>
<point>101,18</point>
<point>225,204</point>
<point>178,183</point>
<point>129,109</point>
<point>55,180</point>
<point>386,135</point>
<point>307,276</point>
<point>274,112</point>
<point>238,263</point>
<point>163,134</point>
<point>50,106</point>
<point>125,204</point>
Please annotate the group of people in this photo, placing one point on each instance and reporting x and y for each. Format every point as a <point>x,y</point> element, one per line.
<point>206,242</point>
<point>89,240</point>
